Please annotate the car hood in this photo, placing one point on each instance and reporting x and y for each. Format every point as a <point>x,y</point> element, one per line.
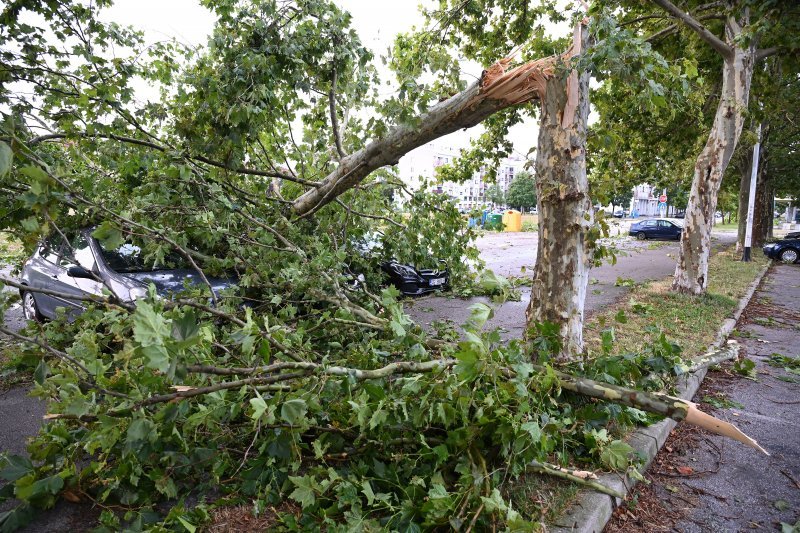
<point>167,281</point>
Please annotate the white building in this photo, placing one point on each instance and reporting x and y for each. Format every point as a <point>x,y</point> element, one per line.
<point>419,166</point>
<point>645,202</point>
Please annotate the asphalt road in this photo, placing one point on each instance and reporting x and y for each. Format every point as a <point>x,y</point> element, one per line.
<point>509,253</point>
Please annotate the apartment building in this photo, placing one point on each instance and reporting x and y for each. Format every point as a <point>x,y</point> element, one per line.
<point>419,167</point>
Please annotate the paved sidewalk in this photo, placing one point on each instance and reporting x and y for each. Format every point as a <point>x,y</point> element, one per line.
<point>706,483</point>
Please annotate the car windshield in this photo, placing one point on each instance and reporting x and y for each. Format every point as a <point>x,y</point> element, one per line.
<point>129,258</point>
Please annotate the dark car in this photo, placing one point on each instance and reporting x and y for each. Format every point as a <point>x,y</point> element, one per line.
<point>619,213</point>
<point>412,282</point>
<point>408,279</point>
<point>655,229</point>
<point>85,267</point>
<point>786,250</point>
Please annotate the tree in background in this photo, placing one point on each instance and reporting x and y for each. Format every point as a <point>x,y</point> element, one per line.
<point>495,195</point>
<point>745,25</point>
<point>522,192</point>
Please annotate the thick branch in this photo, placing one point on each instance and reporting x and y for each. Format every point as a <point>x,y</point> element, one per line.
<point>496,90</point>
<point>337,138</point>
<point>716,43</point>
<point>764,53</point>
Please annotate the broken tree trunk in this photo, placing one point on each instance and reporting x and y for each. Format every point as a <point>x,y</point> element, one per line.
<point>496,90</point>
<point>672,407</point>
<point>565,211</point>
<point>691,272</point>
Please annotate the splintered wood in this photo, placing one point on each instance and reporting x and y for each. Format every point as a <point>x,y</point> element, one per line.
<point>528,81</point>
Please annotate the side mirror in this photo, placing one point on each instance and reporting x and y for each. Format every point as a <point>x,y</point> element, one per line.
<point>79,272</point>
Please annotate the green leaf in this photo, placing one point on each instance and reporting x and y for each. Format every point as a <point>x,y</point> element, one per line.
<point>35,173</point>
<point>481,313</point>
<point>533,429</point>
<point>294,410</point>
<point>259,407</point>
<point>6,158</point>
<point>617,455</point>
<point>16,467</point>
<point>17,518</point>
<point>366,489</point>
<point>304,493</point>
<point>109,235</point>
<point>140,430</point>
<point>186,327</point>
<point>41,372</point>
<point>150,330</point>
<point>39,490</point>
<point>191,528</point>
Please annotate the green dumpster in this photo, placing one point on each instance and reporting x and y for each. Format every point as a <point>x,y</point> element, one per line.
<point>494,221</point>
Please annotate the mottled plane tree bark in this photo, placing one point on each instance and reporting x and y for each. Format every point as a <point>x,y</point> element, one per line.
<point>739,56</point>
<point>566,215</point>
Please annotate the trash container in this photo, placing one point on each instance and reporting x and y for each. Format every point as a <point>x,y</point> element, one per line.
<point>494,221</point>
<point>512,220</point>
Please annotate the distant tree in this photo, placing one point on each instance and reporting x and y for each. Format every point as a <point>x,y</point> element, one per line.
<point>522,192</point>
<point>496,195</point>
<point>622,198</point>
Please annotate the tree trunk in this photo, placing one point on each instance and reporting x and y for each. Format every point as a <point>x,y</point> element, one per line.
<point>691,272</point>
<point>763,208</point>
<point>565,211</point>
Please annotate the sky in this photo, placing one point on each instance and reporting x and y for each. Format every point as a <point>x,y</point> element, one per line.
<point>376,21</point>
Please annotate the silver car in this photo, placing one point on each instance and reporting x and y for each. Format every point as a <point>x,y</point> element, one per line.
<point>85,267</point>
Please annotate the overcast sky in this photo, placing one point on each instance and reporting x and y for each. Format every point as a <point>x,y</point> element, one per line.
<point>376,21</point>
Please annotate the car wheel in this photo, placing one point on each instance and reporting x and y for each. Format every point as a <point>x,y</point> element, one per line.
<point>29,308</point>
<point>641,235</point>
<point>789,255</point>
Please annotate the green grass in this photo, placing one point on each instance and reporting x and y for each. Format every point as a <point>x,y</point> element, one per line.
<point>691,321</point>
<point>726,227</point>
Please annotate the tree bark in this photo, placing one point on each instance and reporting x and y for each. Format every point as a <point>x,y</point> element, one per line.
<point>566,214</point>
<point>691,272</point>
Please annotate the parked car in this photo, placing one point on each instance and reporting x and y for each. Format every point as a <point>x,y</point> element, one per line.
<point>619,213</point>
<point>85,267</point>
<point>413,282</point>
<point>655,229</point>
<point>408,279</point>
<point>786,249</point>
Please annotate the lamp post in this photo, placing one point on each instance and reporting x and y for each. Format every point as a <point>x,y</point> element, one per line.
<point>751,201</point>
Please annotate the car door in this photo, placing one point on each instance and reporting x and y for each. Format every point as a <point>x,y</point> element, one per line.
<point>673,230</point>
<point>41,272</point>
<point>79,254</point>
<point>664,229</point>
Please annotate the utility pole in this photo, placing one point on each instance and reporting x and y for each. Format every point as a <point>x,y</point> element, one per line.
<point>751,201</point>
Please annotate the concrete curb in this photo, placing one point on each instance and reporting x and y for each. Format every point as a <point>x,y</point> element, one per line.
<point>592,510</point>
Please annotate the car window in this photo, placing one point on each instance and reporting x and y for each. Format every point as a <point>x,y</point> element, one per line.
<point>51,248</point>
<point>79,253</point>
<point>649,223</point>
<point>663,224</point>
<point>129,258</point>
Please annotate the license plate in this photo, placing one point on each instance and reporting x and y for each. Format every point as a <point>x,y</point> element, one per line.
<point>436,282</point>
